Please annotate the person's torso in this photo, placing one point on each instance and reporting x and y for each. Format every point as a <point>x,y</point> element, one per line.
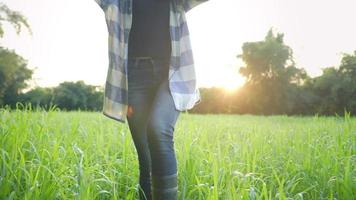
<point>149,34</point>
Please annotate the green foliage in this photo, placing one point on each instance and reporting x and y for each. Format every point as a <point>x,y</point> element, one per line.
<point>16,19</point>
<point>336,88</point>
<point>271,76</point>
<point>71,96</point>
<point>13,75</point>
<point>275,86</point>
<point>38,97</point>
<point>66,96</point>
<point>82,155</point>
<point>13,68</point>
<point>267,60</point>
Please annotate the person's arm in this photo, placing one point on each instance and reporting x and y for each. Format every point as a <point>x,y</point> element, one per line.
<point>190,4</point>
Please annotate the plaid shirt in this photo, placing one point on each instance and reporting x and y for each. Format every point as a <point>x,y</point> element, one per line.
<point>182,78</point>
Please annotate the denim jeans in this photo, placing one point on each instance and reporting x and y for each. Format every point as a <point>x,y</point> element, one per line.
<point>151,118</point>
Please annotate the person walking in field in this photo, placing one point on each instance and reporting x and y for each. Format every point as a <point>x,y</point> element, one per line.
<point>150,80</point>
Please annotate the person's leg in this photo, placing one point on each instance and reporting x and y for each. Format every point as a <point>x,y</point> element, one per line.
<point>141,94</point>
<point>160,129</point>
<point>137,126</point>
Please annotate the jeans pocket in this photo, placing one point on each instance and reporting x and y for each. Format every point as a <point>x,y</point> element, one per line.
<point>161,68</point>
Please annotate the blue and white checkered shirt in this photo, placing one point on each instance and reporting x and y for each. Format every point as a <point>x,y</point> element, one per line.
<point>182,77</point>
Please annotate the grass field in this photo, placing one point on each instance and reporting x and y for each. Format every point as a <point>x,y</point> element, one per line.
<point>85,155</point>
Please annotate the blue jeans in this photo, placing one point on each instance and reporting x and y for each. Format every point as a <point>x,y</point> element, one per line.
<point>151,118</point>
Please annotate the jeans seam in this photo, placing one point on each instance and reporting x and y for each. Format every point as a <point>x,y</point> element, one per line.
<point>153,66</point>
<point>153,62</point>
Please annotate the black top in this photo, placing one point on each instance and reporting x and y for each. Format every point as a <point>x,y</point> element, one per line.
<point>149,35</point>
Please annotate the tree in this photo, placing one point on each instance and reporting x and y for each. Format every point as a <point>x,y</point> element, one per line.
<point>270,74</point>
<point>78,95</point>
<point>336,88</point>
<point>16,19</point>
<point>13,75</point>
<point>347,94</point>
<point>13,68</point>
<point>38,97</point>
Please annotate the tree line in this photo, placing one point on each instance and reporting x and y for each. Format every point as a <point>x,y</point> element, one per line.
<point>274,84</point>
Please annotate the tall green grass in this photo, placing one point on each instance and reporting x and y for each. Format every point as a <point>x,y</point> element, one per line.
<point>85,155</point>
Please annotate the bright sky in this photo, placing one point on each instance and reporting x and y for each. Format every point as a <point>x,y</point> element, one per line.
<point>69,39</point>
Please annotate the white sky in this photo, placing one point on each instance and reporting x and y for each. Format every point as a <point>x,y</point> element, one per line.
<point>69,39</point>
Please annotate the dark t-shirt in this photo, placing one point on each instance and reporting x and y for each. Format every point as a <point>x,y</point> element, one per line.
<point>149,35</point>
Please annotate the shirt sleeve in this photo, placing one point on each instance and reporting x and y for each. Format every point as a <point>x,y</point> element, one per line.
<point>101,3</point>
<point>190,4</point>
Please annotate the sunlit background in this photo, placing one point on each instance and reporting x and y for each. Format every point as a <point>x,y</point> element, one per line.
<point>69,40</point>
